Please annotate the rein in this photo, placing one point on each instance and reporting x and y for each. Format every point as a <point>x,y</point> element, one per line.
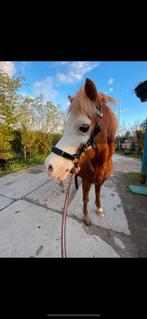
<point>63,225</point>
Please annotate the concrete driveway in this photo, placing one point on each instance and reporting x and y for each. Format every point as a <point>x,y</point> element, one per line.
<point>31,209</point>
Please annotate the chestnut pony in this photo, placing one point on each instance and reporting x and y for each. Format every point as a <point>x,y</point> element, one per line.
<point>87,109</point>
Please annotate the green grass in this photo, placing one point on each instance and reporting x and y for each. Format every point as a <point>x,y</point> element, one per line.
<point>19,164</point>
<point>134,177</point>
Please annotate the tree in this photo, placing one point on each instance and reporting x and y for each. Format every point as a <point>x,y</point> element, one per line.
<point>43,143</point>
<point>140,143</point>
<point>48,117</point>
<point>8,107</point>
<point>140,136</point>
<point>26,122</point>
<point>6,137</point>
<point>143,125</point>
<point>36,119</point>
<point>9,97</point>
<point>135,127</point>
<point>127,134</point>
<point>56,138</point>
<point>28,141</point>
<point>16,142</point>
<point>122,129</point>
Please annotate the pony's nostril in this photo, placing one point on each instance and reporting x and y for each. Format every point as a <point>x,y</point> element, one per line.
<point>50,168</point>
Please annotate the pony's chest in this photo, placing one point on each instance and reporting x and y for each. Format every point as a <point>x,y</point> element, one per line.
<point>92,172</point>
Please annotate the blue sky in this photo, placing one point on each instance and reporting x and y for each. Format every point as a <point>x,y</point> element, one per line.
<point>58,79</point>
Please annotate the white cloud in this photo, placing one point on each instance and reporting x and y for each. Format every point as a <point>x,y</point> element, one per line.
<point>75,71</point>
<point>110,81</point>
<point>8,67</point>
<point>64,62</point>
<point>111,89</point>
<point>45,87</point>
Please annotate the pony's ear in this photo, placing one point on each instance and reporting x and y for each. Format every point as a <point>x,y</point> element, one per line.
<point>106,99</point>
<point>90,90</point>
<point>70,98</point>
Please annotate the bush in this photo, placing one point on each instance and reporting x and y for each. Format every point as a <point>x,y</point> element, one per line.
<point>43,143</point>
<point>38,145</point>
<point>55,138</point>
<point>14,163</point>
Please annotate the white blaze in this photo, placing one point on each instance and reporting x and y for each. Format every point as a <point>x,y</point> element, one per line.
<point>69,143</point>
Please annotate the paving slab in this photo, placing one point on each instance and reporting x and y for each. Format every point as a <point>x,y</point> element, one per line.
<point>4,201</point>
<point>51,195</point>
<point>18,184</point>
<point>28,230</point>
<point>114,218</point>
<point>126,164</point>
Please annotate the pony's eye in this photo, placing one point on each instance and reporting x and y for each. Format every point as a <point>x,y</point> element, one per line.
<point>84,128</point>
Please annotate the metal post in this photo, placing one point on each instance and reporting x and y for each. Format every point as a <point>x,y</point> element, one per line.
<point>144,160</point>
<point>25,152</point>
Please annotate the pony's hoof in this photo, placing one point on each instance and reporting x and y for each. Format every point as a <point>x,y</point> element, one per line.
<point>63,188</point>
<point>87,221</point>
<point>100,212</point>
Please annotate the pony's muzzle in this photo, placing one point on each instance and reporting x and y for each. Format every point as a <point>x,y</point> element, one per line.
<point>57,167</point>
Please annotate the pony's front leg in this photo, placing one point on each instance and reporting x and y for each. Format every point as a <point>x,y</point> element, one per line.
<point>86,188</point>
<point>64,189</point>
<point>99,209</point>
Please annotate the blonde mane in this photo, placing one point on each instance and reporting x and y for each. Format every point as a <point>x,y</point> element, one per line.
<point>81,104</point>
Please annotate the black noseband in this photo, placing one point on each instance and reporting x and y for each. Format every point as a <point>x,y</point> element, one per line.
<point>63,154</point>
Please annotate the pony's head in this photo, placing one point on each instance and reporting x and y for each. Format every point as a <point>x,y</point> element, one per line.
<point>80,124</point>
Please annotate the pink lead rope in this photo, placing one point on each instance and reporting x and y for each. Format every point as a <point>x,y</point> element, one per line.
<point>63,224</point>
